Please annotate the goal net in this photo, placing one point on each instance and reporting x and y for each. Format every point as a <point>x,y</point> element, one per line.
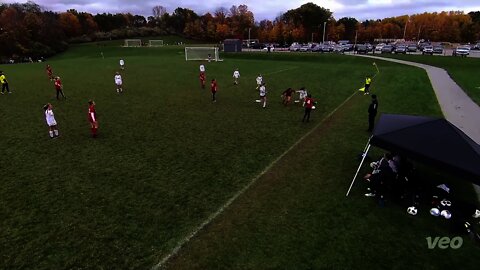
<point>155,43</point>
<point>201,53</point>
<point>133,43</point>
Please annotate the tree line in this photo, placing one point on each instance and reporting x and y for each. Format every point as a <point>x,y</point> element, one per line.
<point>28,30</point>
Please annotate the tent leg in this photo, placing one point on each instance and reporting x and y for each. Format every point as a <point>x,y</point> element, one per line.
<point>359,166</point>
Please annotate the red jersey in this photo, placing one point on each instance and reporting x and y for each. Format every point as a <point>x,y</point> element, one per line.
<point>58,84</point>
<point>213,86</point>
<point>92,114</point>
<point>49,71</point>
<point>202,76</point>
<point>308,102</point>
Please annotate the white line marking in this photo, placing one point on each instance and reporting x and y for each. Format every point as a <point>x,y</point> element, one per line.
<point>278,71</point>
<point>240,192</point>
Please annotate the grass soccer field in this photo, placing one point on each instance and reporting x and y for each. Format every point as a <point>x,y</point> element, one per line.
<point>167,158</point>
<point>463,70</point>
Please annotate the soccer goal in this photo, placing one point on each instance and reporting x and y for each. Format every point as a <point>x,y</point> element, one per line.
<point>133,43</point>
<point>201,53</point>
<point>155,43</point>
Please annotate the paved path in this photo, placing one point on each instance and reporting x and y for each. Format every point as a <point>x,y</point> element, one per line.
<point>456,106</point>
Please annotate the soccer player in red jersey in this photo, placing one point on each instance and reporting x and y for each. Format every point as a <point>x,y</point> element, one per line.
<point>59,87</point>
<point>287,96</point>
<point>92,118</point>
<point>202,79</point>
<point>309,102</point>
<point>49,72</point>
<point>213,88</point>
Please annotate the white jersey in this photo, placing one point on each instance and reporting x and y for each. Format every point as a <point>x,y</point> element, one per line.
<point>302,94</point>
<point>259,80</point>
<point>263,91</point>
<point>122,63</point>
<point>236,74</point>
<point>50,118</point>
<point>118,79</point>
<point>202,68</point>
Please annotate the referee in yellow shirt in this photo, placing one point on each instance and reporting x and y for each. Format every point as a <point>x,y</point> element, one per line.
<point>368,81</point>
<point>4,82</point>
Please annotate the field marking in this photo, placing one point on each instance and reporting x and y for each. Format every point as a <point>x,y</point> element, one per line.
<point>278,71</point>
<point>187,239</point>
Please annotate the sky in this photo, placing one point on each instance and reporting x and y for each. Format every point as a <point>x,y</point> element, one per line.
<point>266,9</point>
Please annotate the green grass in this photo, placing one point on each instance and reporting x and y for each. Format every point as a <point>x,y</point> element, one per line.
<point>297,216</point>
<point>464,71</point>
<point>167,158</point>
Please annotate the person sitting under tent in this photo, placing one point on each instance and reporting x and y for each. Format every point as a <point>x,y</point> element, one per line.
<point>380,177</point>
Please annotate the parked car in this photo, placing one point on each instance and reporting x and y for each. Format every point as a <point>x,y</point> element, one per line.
<point>327,48</point>
<point>379,47</point>
<point>295,47</point>
<point>422,45</point>
<point>317,48</point>
<point>257,46</point>
<point>348,47</point>
<point>476,46</point>
<point>387,49</point>
<point>438,49</point>
<point>427,50</point>
<point>462,51</point>
<point>400,49</point>
<point>267,48</point>
<point>338,49</point>
<point>305,48</point>
<point>361,49</point>
<point>369,47</point>
<point>412,48</point>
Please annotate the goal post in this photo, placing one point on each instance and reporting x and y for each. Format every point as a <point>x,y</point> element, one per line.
<point>201,53</point>
<point>155,43</point>
<point>133,43</point>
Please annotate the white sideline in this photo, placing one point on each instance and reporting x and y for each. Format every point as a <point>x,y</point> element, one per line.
<point>185,240</point>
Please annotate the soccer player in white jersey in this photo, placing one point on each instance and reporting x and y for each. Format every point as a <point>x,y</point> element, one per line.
<point>122,64</point>
<point>236,75</point>
<point>202,68</point>
<point>263,94</point>
<point>259,80</point>
<point>118,82</point>
<point>50,118</point>
<point>302,95</point>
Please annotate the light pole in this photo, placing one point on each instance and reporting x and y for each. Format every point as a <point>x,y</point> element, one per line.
<point>405,29</point>
<point>324,24</point>
<point>248,45</point>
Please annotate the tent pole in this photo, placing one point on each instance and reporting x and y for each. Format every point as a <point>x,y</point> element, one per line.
<point>359,166</point>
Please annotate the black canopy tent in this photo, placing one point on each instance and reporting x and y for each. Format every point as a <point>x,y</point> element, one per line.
<point>429,140</point>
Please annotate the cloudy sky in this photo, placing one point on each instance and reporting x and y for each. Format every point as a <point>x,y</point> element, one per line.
<point>267,9</point>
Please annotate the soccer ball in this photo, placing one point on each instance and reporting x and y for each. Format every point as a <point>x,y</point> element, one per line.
<point>435,212</point>
<point>446,214</point>
<point>412,210</point>
<point>446,203</point>
<point>313,107</point>
<point>477,214</point>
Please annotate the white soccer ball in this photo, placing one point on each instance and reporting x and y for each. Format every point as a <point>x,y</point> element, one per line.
<point>412,210</point>
<point>446,214</point>
<point>313,107</point>
<point>446,203</point>
<point>435,212</point>
<point>477,214</point>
